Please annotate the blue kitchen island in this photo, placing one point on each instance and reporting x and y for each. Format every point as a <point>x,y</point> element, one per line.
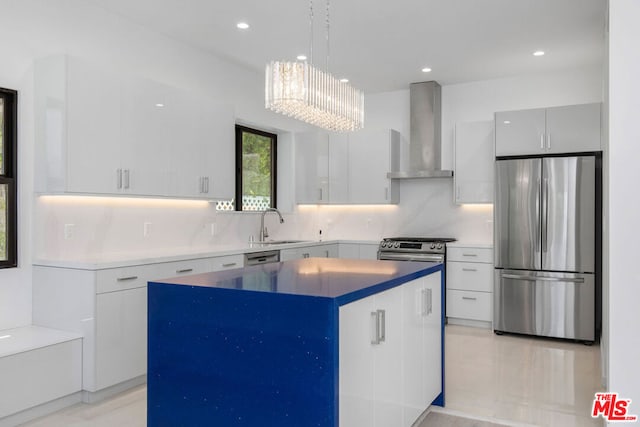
<point>310,342</point>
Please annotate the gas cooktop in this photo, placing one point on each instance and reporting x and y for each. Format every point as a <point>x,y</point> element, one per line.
<point>421,239</point>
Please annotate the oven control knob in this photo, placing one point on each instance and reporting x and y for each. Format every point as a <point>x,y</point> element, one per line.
<point>439,245</point>
<point>383,244</point>
<point>396,245</point>
<point>433,246</point>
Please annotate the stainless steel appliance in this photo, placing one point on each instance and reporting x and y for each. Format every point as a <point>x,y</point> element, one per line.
<point>545,235</point>
<point>413,249</point>
<point>257,258</point>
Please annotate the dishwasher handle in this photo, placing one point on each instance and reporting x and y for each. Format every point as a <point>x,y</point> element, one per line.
<point>257,258</point>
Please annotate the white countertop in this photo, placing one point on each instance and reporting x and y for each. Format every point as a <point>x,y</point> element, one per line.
<point>19,340</point>
<point>470,245</point>
<point>124,259</point>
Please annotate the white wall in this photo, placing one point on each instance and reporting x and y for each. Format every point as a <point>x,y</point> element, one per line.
<point>624,203</point>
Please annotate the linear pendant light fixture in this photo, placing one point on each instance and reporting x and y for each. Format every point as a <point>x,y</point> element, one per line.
<point>304,92</point>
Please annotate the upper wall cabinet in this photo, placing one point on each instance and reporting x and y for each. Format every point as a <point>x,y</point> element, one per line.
<point>347,168</point>
<point>474,162</point>
<point>567,129</point>
<point>98,132</point>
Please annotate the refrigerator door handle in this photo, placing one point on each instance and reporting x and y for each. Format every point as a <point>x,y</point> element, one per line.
<point>545,219</point>
<point>543,279</point>
<point>538,197</point>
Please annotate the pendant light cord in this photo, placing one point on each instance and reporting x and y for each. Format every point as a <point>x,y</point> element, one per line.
<point>311,32</point>
<point>327,65</point>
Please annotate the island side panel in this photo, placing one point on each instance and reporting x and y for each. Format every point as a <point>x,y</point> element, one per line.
<point>225,357</point>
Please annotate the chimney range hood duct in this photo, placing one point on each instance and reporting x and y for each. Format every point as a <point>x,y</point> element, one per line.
<point>425,157</point>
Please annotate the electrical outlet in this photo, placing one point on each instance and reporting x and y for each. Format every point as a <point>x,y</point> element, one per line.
<point>68,231</point>
<point>146,229</point>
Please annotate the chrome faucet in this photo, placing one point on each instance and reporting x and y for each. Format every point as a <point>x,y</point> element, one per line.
<point>263,230</point>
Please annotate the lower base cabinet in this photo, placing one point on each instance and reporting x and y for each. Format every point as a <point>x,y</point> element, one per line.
<point>390,355</point>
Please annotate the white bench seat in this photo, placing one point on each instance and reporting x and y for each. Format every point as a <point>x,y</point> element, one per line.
<point>38,367</point>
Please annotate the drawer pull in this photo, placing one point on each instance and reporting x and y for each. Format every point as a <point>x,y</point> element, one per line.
<point>185,270</point>
<point>469,269</point>
<point>469,254</point>
<point>230,264</point>
<point>470,298</point>
<point>124,279</point>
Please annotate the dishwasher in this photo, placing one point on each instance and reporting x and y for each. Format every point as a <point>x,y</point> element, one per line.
<point>265,257</point>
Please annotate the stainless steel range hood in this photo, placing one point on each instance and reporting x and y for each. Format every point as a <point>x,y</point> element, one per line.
<point>425,156</point>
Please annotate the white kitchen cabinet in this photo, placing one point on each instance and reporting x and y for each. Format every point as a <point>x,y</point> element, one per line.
<point>108,307</point>
<point>372,154</point>
<point>421,310</point>
<point>474,162</point>
<point>312,167</point>
<point>573,128</point>
<point>226,262</point>
<point>99,132</point>
<point>77,127</point>
<point>315,251</point>
<point>120,336</point>
<point>470,285</point>
<point>390,355</point>
<point>566,129</point>
<point>358,250</point>
<point>347,168</point>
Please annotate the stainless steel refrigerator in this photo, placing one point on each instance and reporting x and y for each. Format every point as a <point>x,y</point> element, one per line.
<point>546,231</point>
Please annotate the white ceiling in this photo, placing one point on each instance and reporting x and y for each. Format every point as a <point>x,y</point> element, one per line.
<point>382,45</point>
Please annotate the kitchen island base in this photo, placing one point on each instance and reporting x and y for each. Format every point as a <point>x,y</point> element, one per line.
<point>299,343</point>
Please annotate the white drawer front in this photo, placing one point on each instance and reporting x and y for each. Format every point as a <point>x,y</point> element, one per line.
<point>119,279</point>
<point>227,262</point>
<point>181,268</point>
<point>470,276</point>
<point>470,305</point>
<point>470,255</point>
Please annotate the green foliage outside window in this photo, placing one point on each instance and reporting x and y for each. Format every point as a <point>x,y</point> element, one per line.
<point>256,165</point>
<point>3,194</point>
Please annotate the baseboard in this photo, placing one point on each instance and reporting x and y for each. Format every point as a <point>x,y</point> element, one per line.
<point>105,393</point>
<point>466,322</point>
<point>41,410</point>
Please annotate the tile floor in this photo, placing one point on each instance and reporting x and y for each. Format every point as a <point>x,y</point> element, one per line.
<point>519,380</point>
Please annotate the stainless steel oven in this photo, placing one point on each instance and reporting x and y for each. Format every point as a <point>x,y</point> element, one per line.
<point>414,249</point>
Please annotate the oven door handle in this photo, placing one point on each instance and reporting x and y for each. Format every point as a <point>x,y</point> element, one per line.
<point>411,257</point>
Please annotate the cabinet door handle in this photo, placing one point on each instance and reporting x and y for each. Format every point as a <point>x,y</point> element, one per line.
<point>320,194</point>
<point>549,141</point>
<point>230,264</point>
<point>126,178</point>
<point>124,279</point>
<point>305,255</point>
<point>119,178</point>
<point>206,184</point>
<point>383,326</point>
<point>469,269</point>
<point>326,254</point>
<point>469,254</point>
<point>386,193</point>
<point>423,294</point>
<point>470,298</point>
<point>542,141</point>
<point>429,301</point>
<point>185,270</point>
<point>201,182</point>
<point>375,329</point>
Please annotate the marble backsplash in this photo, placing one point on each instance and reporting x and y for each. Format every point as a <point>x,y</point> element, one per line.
<point>69,227</point>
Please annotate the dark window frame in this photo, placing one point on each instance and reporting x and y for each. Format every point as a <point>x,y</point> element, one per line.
<point>10,175</point>
<point>274,164</point>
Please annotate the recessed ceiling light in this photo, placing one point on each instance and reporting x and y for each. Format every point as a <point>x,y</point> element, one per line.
<point>538,53</point>
<point>344,80</point>
<point>242,25</point>
<point>301,57</point>
<point>159,105</point>
<point>507,122</point>
<point>426,70</point>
